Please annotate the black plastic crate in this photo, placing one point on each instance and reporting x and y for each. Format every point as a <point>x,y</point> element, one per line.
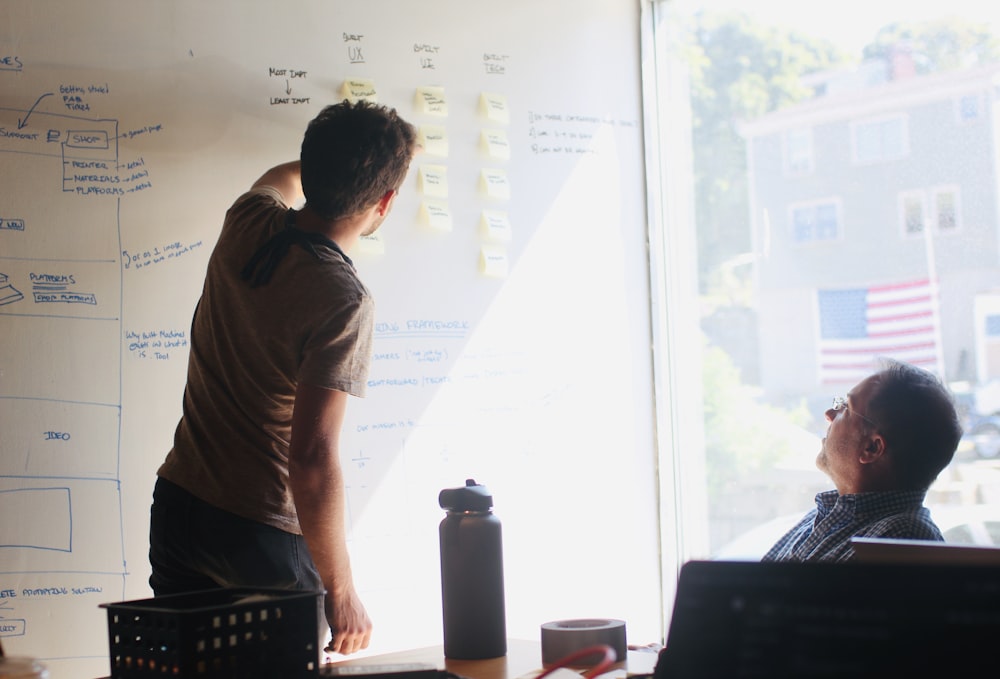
<point>234,632</point>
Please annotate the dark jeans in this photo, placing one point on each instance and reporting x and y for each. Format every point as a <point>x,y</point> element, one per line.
<point>195,546</point>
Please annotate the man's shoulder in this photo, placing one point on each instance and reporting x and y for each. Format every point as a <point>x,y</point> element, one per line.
<point>908,522</point>
<point>259,196</point>
<point>261,205</point>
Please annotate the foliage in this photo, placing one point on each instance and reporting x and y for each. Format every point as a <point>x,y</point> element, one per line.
<point>942,45</point>
<point>742,434</point>
<point>739,70</point>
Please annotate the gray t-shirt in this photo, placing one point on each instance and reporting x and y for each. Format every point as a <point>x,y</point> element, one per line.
<point>250,348</point>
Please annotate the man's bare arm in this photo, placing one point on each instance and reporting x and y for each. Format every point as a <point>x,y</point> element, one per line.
<point>287,179</point>
<point>318,489</point>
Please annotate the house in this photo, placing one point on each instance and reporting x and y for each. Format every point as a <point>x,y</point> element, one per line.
<point>874,211</point>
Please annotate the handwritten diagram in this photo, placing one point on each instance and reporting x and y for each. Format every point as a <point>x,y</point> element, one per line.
<point>60,319</point>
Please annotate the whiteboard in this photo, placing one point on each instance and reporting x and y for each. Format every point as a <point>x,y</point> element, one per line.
<point>513,335</point>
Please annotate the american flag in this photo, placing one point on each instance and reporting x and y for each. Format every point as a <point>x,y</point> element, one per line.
<point>859,325</point>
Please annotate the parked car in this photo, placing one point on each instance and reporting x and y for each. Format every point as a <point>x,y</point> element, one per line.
<point>983,433</point>
<point>979,408</point>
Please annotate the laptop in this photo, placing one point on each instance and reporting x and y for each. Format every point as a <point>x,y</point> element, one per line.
<point>768,619</point>
<point>892,550</point>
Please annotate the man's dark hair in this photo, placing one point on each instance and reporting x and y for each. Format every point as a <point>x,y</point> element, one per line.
<point>916,415</point>
<point>352,155</point>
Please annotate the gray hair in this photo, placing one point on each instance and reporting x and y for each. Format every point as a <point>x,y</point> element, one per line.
<point>916,415</point>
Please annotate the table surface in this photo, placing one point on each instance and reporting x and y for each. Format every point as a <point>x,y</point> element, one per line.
<point>523,658</point>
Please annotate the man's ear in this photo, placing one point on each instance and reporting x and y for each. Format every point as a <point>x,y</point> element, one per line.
<point>385,203</point>
<point>873,449</point>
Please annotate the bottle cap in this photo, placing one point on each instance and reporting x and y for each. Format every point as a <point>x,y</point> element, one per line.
<point>470,498</point>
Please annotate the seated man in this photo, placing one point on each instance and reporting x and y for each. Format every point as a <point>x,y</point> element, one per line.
<point>886,443</point>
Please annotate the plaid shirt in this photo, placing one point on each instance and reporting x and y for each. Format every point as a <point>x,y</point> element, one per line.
<point>825,533</point>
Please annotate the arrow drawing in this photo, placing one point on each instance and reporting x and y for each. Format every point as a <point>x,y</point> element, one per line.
<point>21,122</point>
<point>288,87</point>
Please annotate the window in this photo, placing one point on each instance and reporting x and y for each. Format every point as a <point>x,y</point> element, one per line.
<point>815,222</point>
<point>968,108</point>
<point>937,207</point>
<point>946,209</point>
<point>993,325</point>
<point>798,152</point>
<point>880,140</point>
<point>817,164</point>
<point>914,212</point>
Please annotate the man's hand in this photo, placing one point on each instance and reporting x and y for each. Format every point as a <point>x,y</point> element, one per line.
<point>349,623</point>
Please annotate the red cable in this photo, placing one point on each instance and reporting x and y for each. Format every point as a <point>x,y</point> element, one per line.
<point>609,659</point>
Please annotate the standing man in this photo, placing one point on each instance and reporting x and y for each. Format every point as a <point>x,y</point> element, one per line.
<point>887,441</point>
<point>252,494</point>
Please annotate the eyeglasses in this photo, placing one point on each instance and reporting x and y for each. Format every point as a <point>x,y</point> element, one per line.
<point>840,403</point>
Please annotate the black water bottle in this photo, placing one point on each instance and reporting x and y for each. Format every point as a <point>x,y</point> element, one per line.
<point>472,593</point>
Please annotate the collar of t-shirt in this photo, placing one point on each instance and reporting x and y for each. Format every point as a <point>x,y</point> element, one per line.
<point>263,263</point>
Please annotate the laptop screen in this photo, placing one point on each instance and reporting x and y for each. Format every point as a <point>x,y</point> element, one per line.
<point>757,619</point>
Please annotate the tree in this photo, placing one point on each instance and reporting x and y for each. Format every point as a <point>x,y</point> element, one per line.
<point>743,435</point>
<point>941,45</point>
<point>740,69</point>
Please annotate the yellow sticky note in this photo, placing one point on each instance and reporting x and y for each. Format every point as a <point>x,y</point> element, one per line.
<point>432,180</point>
<point>494,107</point>
<point>434,140</point>
<point>371,244</point>
<point>494,143</point>
<point>430,100</point>
<point>495,225</point>
<point>356,89</point>
<point>493,262</point>
<point>435,214</point>
<point>494,183</point>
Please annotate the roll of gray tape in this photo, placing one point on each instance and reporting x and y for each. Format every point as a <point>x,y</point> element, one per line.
<point>563,637</point>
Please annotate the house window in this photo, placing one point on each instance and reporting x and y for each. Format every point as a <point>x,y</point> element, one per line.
<point>913,210</point>
<point>968,108</point>
<point>946,212</point>
<point>880,139</point>
<point>819,221</point>
<point>993,325</point>
<point>798,152</point>
<point>938,207</point>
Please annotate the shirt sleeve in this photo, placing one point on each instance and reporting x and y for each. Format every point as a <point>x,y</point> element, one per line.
<point>243,214</point>
<point>338,354</point>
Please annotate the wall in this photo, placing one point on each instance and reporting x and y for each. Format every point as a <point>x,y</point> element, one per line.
<point>517,354</point>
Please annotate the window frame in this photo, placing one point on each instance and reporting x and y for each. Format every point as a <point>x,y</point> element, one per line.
<point>929,199</point>
<point>904,152</point>
<point>921,196</point>
<point>935,213</point>
<point>962,120</point>
<point>838,209</point>
<point>789,163</point>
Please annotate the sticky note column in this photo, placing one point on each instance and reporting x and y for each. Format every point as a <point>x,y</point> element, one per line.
<point>494,185</point>
<point>432,175</point>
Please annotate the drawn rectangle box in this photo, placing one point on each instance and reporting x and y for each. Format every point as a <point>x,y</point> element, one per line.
<point>44,519</point>
<point>237,633</point>
<point>46,439</point>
